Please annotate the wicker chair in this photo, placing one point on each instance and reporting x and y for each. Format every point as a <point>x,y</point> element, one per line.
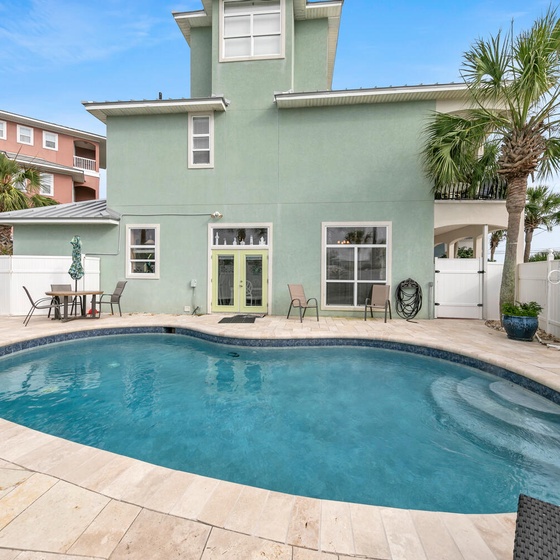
<point>537,530</point>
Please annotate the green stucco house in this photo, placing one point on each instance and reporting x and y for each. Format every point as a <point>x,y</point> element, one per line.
<point>263,177</point>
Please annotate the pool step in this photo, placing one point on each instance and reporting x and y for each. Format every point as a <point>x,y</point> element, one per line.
<point>510,421</point>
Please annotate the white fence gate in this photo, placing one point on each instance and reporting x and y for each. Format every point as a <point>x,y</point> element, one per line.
<point>459,288</point>
<point>37,274</point>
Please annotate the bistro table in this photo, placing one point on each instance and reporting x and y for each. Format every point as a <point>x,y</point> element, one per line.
<point>67,296</point>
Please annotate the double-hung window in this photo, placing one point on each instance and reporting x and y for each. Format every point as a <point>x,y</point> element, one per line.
<point>143,251</point>
<point>355,256</point>
<point>252,29</point>
<point>201,140</point>
<point>3,130</point>
<point>24,135</point>
<point>50,140</point>
<point>47,184</point>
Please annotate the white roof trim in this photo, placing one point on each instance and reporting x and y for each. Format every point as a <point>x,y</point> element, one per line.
<point>155,107</point>
<point>59,221</point>
<point>375,95</point>
<point>43,125</point>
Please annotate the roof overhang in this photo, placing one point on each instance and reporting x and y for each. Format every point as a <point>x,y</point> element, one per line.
<point>93,212</point>
<point>369,96</point>
<point>154,107</point>
<point>45,166</point>
<point>303,10</point>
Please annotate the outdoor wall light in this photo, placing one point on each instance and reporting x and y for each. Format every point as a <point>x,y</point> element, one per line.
<point>216,215</point>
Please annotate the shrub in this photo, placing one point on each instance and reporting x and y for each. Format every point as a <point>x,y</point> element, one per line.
<point>528,309</point>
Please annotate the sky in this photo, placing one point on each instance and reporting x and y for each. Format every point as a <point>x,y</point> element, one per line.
<point>54,54</point>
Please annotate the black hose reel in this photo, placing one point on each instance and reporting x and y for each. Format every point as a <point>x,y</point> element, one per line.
<point>409,299</point>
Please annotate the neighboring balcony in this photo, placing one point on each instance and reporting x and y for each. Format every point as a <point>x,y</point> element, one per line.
<point>88,165</point>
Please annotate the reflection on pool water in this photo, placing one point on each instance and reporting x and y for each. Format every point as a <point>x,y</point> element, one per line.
<point>354,424</point>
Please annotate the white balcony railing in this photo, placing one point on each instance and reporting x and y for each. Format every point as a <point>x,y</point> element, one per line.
<point>84,163</point>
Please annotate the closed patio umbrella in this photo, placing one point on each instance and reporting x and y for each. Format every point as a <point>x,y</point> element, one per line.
<point>76,270</point>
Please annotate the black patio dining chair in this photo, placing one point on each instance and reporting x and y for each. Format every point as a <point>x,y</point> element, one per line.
<point>43,303</point>
<point>112,299</point>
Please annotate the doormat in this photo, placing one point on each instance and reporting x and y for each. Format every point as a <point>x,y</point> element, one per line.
<point>240,319</point>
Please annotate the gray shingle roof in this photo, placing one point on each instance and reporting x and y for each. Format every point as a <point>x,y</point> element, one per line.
<point>91,211</point>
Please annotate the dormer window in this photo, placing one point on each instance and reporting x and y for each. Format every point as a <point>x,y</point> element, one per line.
<point>252,29</point>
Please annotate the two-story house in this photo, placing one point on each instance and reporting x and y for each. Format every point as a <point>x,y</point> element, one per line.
<point>264,176</point>
<point>69,160</point>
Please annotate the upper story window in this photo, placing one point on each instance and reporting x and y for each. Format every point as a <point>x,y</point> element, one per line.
<point>25,134</point>
<point>252,29</point>
<point>50,140</point>
<point>201,140</point>
<point>47,184</point>
<point>356,255</point>
<point>3,130</point>
<point>142,251</point>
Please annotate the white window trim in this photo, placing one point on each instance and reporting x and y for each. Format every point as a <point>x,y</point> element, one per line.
<point>143,275</point>
<point>45,133</point>
<point>4,130</point>
<point>47,180</point>
<point>388,246</point>
<point>19,141</point>
<point>191,163</point>
<point>223,58</point>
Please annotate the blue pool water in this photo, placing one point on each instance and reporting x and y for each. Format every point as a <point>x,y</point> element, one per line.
<point>355,424</point>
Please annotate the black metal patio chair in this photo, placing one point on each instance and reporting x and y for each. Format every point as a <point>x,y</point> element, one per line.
<point>112,299</point>
<point>43,303</point>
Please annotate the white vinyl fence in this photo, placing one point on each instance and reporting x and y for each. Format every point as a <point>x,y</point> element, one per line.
<point>540,282</point>
<point>37,274</point>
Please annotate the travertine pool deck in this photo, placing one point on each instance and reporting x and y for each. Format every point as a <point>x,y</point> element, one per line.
<point>62,500</point>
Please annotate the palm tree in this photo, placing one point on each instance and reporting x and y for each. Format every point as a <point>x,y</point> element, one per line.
<point>19,189</point>
<point>496,237</point>
<point>511,131</point>
<point>542,209</point>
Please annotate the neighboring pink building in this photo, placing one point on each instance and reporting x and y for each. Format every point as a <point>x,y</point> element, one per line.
<point>69,160</point>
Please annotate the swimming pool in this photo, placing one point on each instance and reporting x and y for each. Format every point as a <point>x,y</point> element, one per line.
<point>357,424</point>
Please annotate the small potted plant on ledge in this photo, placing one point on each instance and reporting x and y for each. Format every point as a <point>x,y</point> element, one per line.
<point>521,320</point>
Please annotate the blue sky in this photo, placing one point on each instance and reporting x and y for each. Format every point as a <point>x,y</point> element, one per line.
<point>54,54</point>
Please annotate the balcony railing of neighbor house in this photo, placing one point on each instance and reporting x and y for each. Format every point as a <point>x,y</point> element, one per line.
<point>84,163</point>
<point>496,189</point>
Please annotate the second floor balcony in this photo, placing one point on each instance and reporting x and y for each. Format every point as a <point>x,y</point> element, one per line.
<point>495,189</point>
<point>85,163</point>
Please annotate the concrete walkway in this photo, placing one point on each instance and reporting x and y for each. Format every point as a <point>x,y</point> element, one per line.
<point>62,500</point>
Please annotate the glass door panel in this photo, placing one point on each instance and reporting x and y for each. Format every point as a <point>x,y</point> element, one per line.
<point>240,281</point>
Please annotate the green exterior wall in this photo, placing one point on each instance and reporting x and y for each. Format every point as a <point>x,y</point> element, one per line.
<point>292,168</point>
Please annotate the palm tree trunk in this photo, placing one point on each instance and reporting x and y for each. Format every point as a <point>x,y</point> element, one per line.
<point>528,241</point>
<point>515,204</point>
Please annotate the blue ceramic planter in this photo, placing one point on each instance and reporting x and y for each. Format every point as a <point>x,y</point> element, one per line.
<point>520,328</point>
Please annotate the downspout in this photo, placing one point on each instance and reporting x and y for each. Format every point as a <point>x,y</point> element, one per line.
<point>484,271</point>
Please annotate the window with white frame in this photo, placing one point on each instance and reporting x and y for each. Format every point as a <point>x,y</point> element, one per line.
<point>142,251</point>
<point>50,140</point>
<point>252,29</point>
<point>3,130</point>
<point>24,134</point>
<point>201,140</point>
<point>356,256</point>
<point>47,184</point>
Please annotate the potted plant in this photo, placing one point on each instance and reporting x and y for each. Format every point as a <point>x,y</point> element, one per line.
<point>521,320</point>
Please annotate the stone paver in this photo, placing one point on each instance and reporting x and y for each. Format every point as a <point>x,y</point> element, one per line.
<point>61,500</point>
